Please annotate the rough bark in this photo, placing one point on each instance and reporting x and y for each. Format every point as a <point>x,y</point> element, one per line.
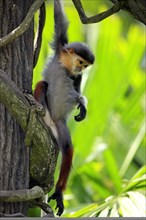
<point>16,59</point>
<point>43,147</point>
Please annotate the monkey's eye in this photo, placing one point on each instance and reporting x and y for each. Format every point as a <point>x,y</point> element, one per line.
<point>81,62</point>
<point>86,66</point>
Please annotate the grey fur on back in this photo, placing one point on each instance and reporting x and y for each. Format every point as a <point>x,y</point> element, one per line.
<point>61,94</point>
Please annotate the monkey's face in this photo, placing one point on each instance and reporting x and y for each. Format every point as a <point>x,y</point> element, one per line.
<point>78,64</point>
<point>73,62</point>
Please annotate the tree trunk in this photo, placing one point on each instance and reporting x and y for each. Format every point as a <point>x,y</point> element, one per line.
<point>16,59</point>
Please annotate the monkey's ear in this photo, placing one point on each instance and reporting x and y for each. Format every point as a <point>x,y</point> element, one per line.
<point>64,50</point>
<point>71,50</point>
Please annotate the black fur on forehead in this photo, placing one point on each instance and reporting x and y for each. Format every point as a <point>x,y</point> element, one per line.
<point>82,50</point>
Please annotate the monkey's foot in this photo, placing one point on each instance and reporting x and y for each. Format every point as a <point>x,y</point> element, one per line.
<point>82,113</point>
<point>57,195</point>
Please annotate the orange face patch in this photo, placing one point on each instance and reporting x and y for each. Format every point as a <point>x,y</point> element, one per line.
<point>73,62</point>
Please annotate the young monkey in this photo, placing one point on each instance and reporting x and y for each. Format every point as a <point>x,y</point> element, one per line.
<point>59,93</point>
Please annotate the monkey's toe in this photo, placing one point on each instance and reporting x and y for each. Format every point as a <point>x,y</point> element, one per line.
<point>57,195</point>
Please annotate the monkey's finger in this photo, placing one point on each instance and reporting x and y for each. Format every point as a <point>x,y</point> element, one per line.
<point>59,213</point>
<point>81,115</point>
<point>77,118</point>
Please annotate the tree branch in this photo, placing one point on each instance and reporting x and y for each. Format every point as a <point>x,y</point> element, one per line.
<point>34,196</point>
<point>21,195</point>
<point>23,26</point>
<point>38,40</point>
<point>11,215</point>
<point>99,17</point>
<point>137,8</point>
<point>44,151</point>
<point>44,206</point>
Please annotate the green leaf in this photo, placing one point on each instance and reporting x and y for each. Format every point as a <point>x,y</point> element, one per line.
<point>138,181</point>
<point>114,172</point>
<point>133,149</point>
<point>140,173</point>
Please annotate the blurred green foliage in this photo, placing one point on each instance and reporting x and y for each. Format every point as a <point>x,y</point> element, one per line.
<point>110,143</point>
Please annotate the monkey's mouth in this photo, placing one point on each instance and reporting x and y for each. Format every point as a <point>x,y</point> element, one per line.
<point>77,69</point>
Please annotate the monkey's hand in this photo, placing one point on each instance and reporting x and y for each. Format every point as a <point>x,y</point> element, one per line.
<point>57,195</point>
<point>82,107</point>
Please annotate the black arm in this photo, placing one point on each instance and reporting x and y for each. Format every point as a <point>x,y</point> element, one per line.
<point>77,82</point>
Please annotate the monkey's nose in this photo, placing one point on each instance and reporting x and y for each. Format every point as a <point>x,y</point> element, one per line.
<point>78,69</point>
